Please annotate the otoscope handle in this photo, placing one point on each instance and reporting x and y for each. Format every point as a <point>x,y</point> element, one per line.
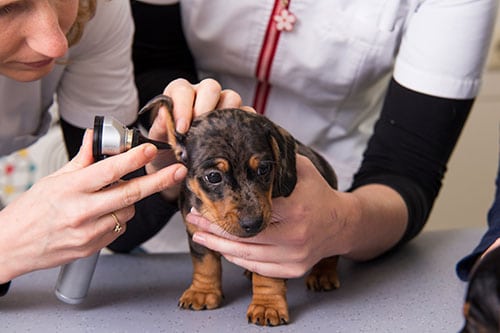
<point>74,279</point>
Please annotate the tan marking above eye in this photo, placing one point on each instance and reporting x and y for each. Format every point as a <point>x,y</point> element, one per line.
<point>222,165</point>
<point>254,162</point>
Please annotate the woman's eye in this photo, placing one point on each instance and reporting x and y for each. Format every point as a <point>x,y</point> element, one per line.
<point>264,169</point>
<point>11,8</point>
<point>5,10</point>
<point>213,177</point>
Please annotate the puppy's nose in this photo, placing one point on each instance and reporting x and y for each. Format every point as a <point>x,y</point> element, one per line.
<point>251,225</point>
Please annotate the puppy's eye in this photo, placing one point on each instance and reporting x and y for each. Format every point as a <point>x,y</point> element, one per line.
<point>213,177</point>
<point>263,169</point>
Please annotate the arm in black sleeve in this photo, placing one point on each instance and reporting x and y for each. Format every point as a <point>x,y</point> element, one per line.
<point>410,148</point>
<point>151,213</point>
<point>465,265</point>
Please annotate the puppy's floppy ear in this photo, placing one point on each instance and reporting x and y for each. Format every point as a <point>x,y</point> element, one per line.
<point>175,139</point>
<point>284,149</point>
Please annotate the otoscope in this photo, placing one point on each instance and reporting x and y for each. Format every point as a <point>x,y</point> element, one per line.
<point>110,138</point>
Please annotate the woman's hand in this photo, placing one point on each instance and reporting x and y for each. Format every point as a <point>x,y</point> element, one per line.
<point>68,215</point>
<point>314,222</point>
<point>306,227</point>
<point>189,101</point>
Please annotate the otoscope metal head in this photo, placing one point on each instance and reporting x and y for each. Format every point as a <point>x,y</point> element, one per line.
<point>112,137</point>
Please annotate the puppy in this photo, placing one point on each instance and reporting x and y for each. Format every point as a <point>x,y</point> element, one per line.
<point>237,162</point>
<point>482,301</point>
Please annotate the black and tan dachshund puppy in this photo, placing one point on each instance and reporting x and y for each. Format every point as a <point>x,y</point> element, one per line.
<point>237,162</point>
<point>482,301</point>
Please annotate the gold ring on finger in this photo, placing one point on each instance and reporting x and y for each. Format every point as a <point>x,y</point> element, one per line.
<point>118,227</point>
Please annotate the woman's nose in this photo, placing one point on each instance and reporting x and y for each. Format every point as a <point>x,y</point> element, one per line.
<point>46,36</point>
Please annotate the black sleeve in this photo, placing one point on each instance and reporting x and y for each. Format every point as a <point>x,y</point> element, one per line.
<point>160,51</point>
<point>465,265</point>
<point>73,137</point>
<point>410,148</point>
<point>4,288</point>
<point>151,215</point>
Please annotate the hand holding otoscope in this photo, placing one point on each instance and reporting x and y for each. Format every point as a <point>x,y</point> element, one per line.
<point>110,138</point>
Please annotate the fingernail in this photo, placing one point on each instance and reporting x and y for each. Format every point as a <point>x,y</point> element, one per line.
<point>181,126</point>
<point>194,219</point>
<point>180,173</point>
<point>199,238</point>
<point>150,150</point>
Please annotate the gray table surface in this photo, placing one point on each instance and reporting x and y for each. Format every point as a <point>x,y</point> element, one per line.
<point>412,290</point>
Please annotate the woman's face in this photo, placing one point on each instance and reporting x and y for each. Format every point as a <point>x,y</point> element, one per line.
<point>33,36</point>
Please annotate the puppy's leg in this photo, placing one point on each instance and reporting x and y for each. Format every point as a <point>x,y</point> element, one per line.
<point>323,276</point>
<point>269,305</point>
<point>205,291</point>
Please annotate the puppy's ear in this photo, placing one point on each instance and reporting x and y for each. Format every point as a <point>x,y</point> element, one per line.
<point>175,139</point>
<point>284,150</point>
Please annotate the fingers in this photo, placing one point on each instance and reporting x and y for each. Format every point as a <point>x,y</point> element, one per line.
<point>83,158</point>
<point>229,99</point>
<point>114,223</point>
<point>193,100</point>
<point>270,269</point>
<point>183,95</point>
<point>214,237</point>
<point>106,229</point>
<point>248,108</point>
<point>258,258</point>
<point>110,170</point>
<point>265,253</point>
<point>94,181</point>
<point>195,218</point>
<point>208,94</point>
<point>93,226</point>
<point>126,193</point>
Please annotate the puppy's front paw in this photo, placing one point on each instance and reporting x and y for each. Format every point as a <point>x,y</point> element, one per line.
<point>196,299</point>
<point>323,276</point>
<point>268,311</point>
<point>325,281</point>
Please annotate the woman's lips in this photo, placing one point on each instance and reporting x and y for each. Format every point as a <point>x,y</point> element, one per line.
<point>38,64</point>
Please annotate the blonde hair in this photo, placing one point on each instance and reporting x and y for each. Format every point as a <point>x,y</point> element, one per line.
<point>86,10</point>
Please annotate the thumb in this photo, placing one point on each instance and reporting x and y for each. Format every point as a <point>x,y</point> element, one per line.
<point>84,157</point>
